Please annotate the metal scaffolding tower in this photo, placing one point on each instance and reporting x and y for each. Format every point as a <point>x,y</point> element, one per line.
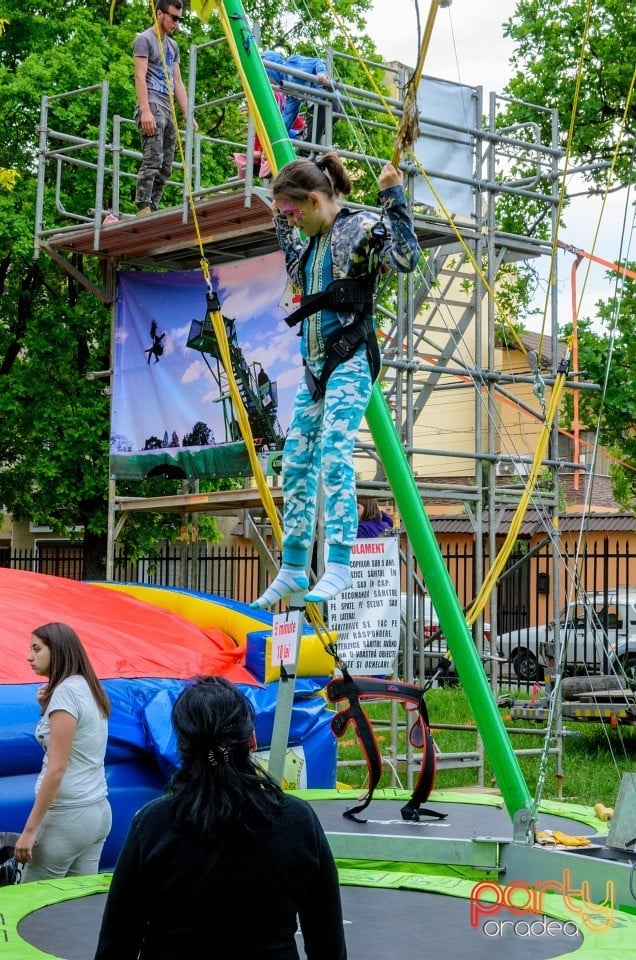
<point>439,326</point>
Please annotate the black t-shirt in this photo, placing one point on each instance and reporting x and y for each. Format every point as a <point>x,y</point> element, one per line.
<point>239,898</point>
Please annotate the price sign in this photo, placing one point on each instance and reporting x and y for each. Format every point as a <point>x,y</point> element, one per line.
<point>285,638</point>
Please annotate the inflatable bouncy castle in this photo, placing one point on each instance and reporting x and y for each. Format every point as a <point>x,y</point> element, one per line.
<point>145,643</point>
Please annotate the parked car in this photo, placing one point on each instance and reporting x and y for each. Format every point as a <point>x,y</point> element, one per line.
<point>590,629</point>
<point>429,637</point>
<point>521,649</point>
<point>622,658</point>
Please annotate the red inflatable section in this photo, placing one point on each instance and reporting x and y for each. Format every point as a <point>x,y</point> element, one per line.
<point>124,637</point>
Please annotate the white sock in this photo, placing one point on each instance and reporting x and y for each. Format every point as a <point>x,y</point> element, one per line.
<point>288,580</point>
<point>335,579</point>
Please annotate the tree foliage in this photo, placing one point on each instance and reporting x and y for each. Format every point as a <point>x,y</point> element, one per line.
<point>557,46</point>
<point>199,436</point>
<point>54,423</point>
<point>608,358</point>
<point>549,37</point>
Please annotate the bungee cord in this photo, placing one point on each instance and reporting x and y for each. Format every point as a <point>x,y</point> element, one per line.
<point>215,314</point>
<point>221,332</point>
<point>506,549</point>
<point>480,601</point>
<point>620,281</point>
<point>216,317</point>
<point>549,412</point>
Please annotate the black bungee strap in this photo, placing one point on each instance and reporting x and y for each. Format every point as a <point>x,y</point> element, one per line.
<point>355,296</point>
<point>355,689</point>
<point>340,347</point>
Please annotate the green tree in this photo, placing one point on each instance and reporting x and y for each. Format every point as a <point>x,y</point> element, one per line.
<point>614,409</point>
<point>548,37</point>
<point>200,436</point>
<point>54,423</point>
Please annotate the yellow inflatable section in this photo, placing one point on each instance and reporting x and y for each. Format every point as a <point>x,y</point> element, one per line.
<point>251,630</point>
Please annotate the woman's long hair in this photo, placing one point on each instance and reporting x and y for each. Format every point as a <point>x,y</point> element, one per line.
<point>218,784</point>
<point>299,178</point>
<point>69,659</point>
<point>370,509</point>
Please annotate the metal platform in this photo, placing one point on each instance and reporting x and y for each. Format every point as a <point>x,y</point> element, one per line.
<point>232,224</point>
<point>216,502</point>
<point>615,707</point>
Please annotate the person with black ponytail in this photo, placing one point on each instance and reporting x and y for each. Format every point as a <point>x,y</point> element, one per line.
<point>224,864</point>
<point>334,265</point>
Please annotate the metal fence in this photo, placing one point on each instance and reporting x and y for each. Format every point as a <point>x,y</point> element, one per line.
<point>524,599</point>
<point>224,571</point>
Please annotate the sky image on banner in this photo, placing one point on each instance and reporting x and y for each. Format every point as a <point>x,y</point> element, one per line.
<point>171,411</point>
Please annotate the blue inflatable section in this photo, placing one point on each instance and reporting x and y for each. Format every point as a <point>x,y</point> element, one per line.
<point>141,752</point>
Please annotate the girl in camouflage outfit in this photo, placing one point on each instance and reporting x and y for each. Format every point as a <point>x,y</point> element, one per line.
<point>340,245</point>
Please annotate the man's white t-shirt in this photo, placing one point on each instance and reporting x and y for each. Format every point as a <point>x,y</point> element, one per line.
<point>84,780</point>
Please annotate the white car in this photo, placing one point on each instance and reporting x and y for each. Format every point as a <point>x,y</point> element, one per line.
<point>521,649</point>
<point>622,658</point>
<point>603,635</point>
<point>588,630</point>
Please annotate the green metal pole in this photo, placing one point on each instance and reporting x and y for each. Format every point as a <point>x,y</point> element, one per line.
<point>265,111</point>
<point>443,596</point>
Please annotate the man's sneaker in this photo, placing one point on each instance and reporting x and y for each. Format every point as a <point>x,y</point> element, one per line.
<point>144,211</point>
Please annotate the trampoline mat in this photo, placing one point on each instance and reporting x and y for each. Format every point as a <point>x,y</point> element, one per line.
<point>379,923</point>
<point>463,821</point>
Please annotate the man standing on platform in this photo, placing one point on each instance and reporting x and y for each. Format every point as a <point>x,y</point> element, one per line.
<point>157,75</point>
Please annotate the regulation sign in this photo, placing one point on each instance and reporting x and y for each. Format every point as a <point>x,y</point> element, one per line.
<point>367,616</point>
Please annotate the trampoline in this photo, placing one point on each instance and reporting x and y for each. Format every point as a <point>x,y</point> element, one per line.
<point>385,916</point>
<point>467,816</point>
<point>390,906</point>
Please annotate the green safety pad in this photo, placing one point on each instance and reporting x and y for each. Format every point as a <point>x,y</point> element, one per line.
<point>19,901</point>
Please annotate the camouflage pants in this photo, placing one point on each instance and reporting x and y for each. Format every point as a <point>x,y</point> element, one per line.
<point>157,156</point>
<point>321,437</point>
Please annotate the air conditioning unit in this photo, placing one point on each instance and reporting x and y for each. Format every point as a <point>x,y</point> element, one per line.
<point>510,468</point>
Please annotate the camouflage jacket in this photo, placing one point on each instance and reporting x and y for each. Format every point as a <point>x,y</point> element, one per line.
<point>351,248</point>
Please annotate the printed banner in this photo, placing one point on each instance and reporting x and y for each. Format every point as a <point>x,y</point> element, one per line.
<point>445,146</point>
<point>172,412</point>
<point>367,616</point>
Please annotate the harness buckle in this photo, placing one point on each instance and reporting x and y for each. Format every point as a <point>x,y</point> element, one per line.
<point>340,295</point>
<point>341,347</point>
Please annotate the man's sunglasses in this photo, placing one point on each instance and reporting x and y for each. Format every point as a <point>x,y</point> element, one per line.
<point>176,18</point>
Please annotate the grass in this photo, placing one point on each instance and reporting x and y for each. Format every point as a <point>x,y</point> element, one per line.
<point>595,756</point>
